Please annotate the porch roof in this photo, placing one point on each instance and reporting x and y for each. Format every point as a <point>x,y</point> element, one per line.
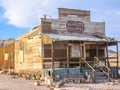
<point>78,37</point>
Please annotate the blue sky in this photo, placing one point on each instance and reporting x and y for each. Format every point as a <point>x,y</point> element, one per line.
<point>19,16</point>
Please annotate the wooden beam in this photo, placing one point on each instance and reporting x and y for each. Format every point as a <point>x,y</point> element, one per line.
<point>68,56</point>
<point>42,53</point>
<point>80,60</point>
<point>47,58</point>
<point>117,54</point>
<point>107,54</point>
<point>114,62</point>
<point>52,53</point>
<point>112,57</point>
<point>75,62</point>
<point>97,50</point>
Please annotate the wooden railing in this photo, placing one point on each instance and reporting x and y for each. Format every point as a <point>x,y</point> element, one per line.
<point>96,63</point>
<point>88,64</point>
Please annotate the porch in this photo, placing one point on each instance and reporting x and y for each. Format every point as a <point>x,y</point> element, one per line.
<point>72,56</point>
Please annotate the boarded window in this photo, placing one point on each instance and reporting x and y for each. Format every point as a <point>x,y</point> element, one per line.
<point>6,56</point>
<point>75,50</point>
<point>47,51</point>
<point>21,45</point>
<point>21,56</point>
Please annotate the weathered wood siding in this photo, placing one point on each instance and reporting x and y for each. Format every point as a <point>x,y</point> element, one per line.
<point>28,51</point>
<point>67,15</point>
<point>7,56</point>
<point>28,54</point>
<point>46,39</point>
<point>1,57</point>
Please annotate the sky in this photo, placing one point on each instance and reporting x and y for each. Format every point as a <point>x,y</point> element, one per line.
<point>19,16</point>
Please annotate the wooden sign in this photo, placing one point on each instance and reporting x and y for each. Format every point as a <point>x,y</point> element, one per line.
<point>75,26</point>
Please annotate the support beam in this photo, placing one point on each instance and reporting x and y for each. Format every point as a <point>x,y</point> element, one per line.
<point>52,54</point>
<point>117,54</point>
<point>107,54</point>
<point>42,52</point>
<point>97,50</point>
<point>80,60</point>
<point>68,56</point>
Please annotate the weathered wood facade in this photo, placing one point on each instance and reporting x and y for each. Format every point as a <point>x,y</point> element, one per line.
<point>70,41</point>
<point>7,56</point>
<point>27,51</point>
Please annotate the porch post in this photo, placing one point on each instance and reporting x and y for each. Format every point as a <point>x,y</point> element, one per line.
<point>107,54</point>
<point>80,61</point>
<point>97,50</point>
<point>68,56</point>
<point>52,54</point>
<point>42,55</point>
<point>117,55</point>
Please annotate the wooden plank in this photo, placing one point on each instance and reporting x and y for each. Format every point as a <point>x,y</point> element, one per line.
<point>98,73</point>
<point>114,62</point>
<point>80,60</point>
<point>111,57</point>
<point>52,53</point>
<point>60,58</point>
<point>107,55</point>
<point>50,58</point>
<point>97,50</point>
<point>117,53</point>
<point>68,56</point>
<point>74,62</point>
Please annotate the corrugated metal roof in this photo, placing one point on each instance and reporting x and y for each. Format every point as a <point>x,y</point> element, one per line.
<point>76,37</point>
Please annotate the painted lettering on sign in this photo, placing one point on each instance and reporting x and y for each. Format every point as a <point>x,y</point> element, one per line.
<point>75,26</point>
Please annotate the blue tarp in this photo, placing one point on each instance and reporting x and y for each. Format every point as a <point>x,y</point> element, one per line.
<point>62,71</point>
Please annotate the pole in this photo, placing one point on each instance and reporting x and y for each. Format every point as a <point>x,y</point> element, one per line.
<point>52,53</point>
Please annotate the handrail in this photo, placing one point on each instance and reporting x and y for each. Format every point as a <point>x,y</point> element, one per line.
<point>108,68</point>
<point>96,58</point>
<point>89,65</point>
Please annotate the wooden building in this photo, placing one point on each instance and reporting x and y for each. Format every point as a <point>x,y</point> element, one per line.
<point>7,56</point>
<point>27,54</point>
<point>70,41</point>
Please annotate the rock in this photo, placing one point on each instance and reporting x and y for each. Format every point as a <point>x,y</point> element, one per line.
<point>115,83</point>
<point>109,83</point>
<point>13,76</point>
<point>37,83</point>
<point>59,84</point>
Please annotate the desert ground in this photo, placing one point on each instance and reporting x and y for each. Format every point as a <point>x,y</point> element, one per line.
<point>7,82</point>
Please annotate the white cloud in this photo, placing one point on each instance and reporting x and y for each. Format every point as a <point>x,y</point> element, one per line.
<point>111,18</point>
<point>27,13</point>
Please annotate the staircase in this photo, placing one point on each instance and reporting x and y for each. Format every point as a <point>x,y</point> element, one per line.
<point>98,74</point>
<point>101,75</point>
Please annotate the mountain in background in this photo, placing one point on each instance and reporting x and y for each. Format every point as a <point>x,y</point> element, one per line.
<point>110,52</point>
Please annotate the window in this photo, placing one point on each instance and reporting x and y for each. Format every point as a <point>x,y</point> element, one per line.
<point>75,50</point>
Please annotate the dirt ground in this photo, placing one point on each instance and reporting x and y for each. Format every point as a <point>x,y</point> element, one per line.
<point>9,83</point>
<point>102,86</point>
